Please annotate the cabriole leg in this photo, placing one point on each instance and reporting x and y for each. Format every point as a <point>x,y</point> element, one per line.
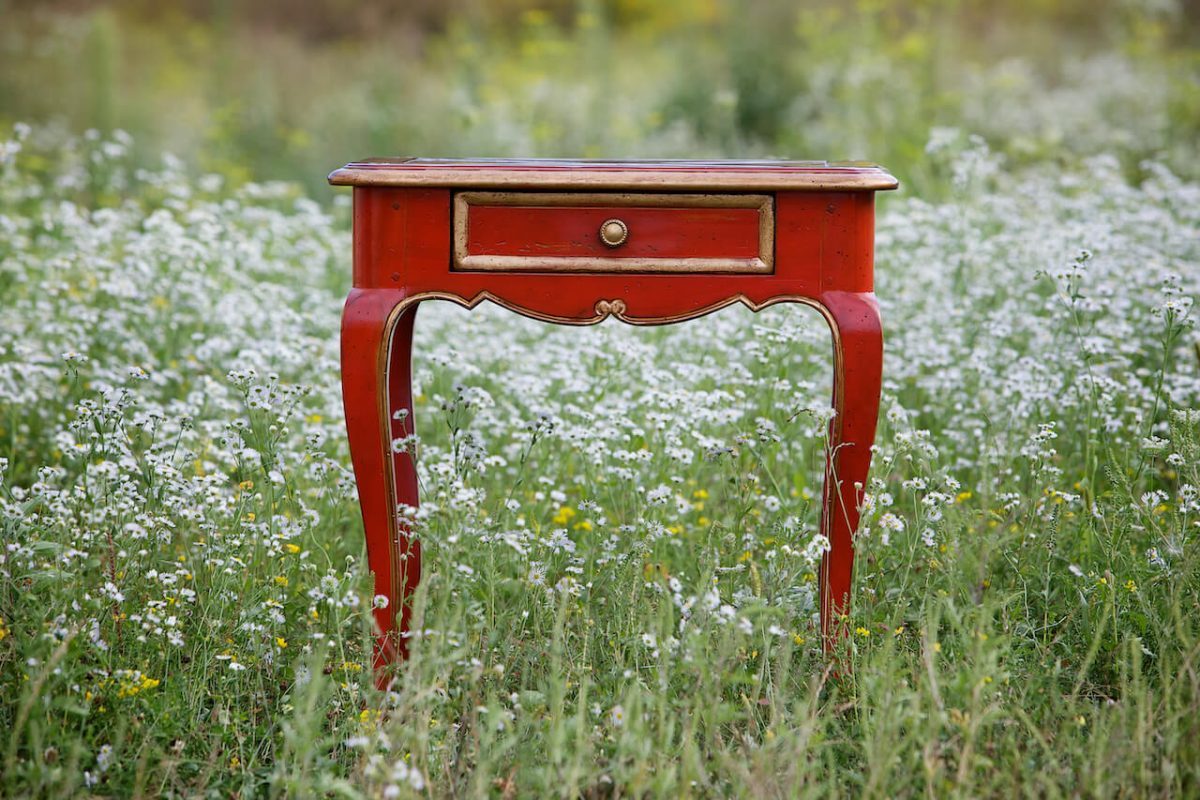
<point>377,392</point>
<point>858,366</point>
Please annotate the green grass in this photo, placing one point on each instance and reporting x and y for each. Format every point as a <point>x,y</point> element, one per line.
<point>619,523</point>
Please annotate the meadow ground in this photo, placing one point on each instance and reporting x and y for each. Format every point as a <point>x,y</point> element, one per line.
<point>619,524</point>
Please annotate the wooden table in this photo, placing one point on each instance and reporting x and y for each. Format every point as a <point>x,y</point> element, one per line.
<point>577,242</point>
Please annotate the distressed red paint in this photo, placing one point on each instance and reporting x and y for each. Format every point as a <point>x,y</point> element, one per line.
<point>661,232</point>
<point>823,242</point>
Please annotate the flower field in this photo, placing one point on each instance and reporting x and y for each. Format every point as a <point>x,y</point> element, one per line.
<point>620,524</point>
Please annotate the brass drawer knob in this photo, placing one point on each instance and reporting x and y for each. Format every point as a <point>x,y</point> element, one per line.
<point>614,232</point>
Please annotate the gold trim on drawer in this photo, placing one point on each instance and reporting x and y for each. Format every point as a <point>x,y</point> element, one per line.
<point>763,264</point>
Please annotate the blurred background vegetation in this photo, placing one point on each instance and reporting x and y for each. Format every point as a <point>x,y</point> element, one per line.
<point>275,89</point>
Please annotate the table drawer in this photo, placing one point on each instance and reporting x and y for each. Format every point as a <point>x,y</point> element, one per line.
<point>609,232</point>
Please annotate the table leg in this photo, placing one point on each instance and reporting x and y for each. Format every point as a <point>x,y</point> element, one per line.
<point>858,364</point>
<point>377,329</point>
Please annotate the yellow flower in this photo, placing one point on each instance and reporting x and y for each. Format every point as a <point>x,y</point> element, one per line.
<point>1131,586</point>
<point>861,631</point>
<point>797,639</point>
<point>246,486</point>
<point>292,548</point>
<point>281,580</point>
<point>584,526</point>
<point>564,515</point>
<point>961,496</point>
<point>280,642</point>
<point>700,494</point>
<point>746,556</point>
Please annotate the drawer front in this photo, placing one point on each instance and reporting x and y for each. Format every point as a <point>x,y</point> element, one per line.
<point>577,232</point>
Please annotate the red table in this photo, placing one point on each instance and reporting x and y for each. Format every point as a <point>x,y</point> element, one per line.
<point>576,242</point>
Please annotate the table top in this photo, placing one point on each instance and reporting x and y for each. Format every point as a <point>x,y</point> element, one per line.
<point>525,173</point>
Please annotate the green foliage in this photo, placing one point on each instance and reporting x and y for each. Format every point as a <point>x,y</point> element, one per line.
<point>618,524</point>
<point>254,92</point>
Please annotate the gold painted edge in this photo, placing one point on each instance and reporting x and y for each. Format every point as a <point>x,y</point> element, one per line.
<point>727,180</point>
<point>636,199</point>
<point>603,309</point>
<point>766,232</point>
<point>611,264</point>
<point>465,262</point>
<point>383,407</point>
